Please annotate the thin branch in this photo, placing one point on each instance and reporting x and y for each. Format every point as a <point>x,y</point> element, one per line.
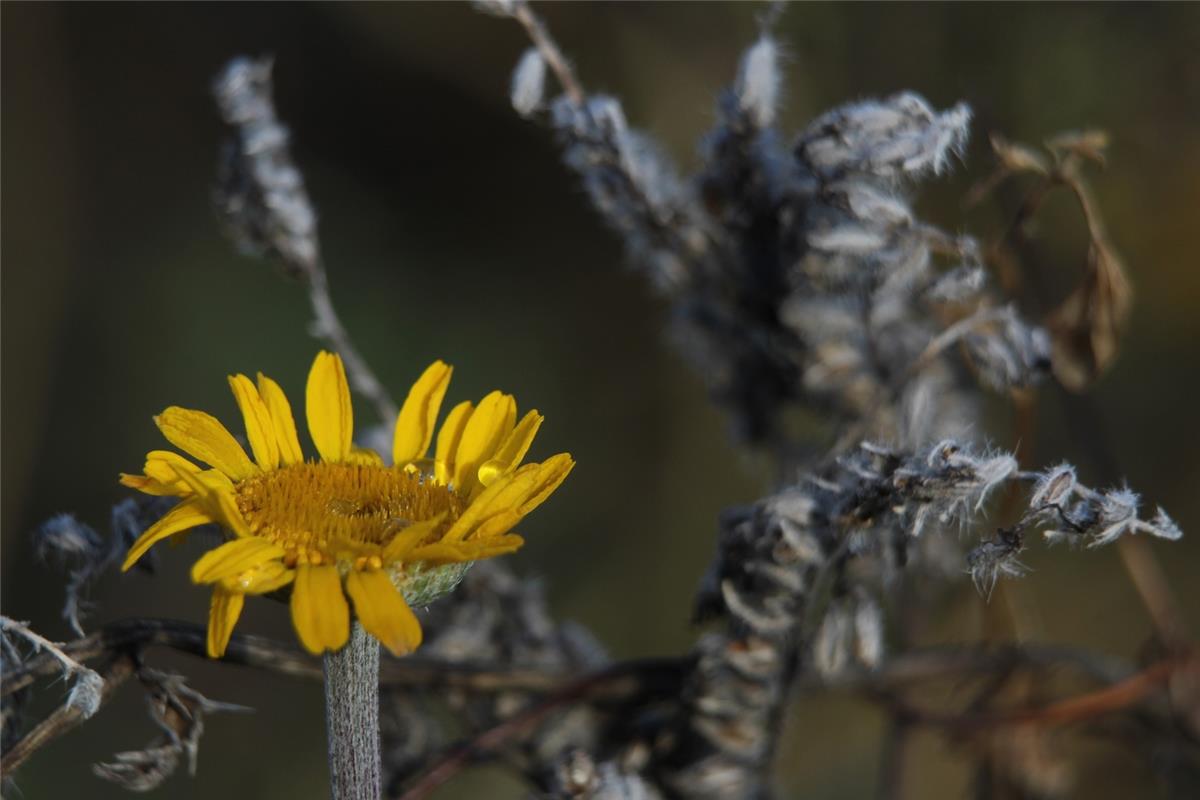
<point>266,208</point>
<point>621,686</point>
<point>41,643</point>
<point>65,718</point>
<point>1069,153</point>
<point>553,56</point>
<point>624,678</point>
<point>259,652</point>
<point>1115,697</point>
<point>328,326</point>
<point>1154,589</point>
<point>890,784</point>
<point>955,332</point>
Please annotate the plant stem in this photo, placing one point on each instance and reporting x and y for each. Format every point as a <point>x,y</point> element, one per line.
<point>352,717</point>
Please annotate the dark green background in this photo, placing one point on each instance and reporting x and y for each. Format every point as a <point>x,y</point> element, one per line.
<point>451,231</point>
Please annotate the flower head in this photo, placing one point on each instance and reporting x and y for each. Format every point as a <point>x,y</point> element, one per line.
<point>345,525</point>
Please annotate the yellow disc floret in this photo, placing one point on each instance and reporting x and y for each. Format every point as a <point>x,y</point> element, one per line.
<point>332,513</point>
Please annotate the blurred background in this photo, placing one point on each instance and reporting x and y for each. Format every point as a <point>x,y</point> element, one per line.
<point>451,231</point>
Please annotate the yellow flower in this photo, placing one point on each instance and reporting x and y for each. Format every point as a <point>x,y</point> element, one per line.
<point>346,525</point>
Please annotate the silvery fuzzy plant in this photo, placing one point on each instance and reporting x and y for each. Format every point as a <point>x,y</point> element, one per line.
<point>799,280</point>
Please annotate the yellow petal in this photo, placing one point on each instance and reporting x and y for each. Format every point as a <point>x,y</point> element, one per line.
<point>223,613</point>
<point>281,417</point>
<point>233,558</point>
<point>519,492</point>
<point>327,405</point>
<point>506,492</point>
<point>217,500</point>
<point>266,577</point>
<point>366,456</point>
<point>549,476</point>
<point>162,470</point>
<point>383,612</point>
<point>496,525</point>
<point>260,428</point>
<point>418,416</point>
<point>319,609</point>
<point>201,436</point>
<point>512,449</point>
<point>408,538</point>
<point>188,514</point>
<point>162,465</point>
<point>150,486</point>
<point>144,484</point>
<point>447,441</point>
<point>488,426</point>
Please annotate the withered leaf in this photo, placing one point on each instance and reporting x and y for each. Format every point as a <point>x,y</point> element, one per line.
<point>1086,328</point>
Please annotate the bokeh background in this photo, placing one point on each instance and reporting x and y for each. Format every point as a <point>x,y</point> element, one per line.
<point>451,230</point>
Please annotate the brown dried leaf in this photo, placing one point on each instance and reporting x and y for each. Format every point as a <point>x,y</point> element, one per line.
<point>1086,144</point>
<point>178,711</point>
<point>140,770</point>
<point>1019,157</point>
<point>1086,328</point>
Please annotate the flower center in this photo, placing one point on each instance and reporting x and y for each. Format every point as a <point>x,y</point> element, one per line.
<point>323,513</point>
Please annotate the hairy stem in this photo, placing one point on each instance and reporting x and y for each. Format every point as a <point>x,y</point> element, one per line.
<point>352,718</point>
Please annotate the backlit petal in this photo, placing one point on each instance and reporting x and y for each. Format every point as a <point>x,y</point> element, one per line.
<point>162,470</point>
<point>549,476</point>
<point>233,558</point>
<point>281,417</point>
<point>327,406</point>
<point>495,525</point>
<point>201,436</point>
<point>188,514</point>
<point>266,577</point>
<point>223,613</point>
<point>320,612</point>
<point>260,429</point>
<point>409,537</point>
<point>162,465</point>
<point>512,449</point>
<point>418,416</point>
<point>447,441</point>
<point>519,492</point>
<point>488,426</point>
<point>366,456</point>
<point>383,612</point>
<point>217,501</point>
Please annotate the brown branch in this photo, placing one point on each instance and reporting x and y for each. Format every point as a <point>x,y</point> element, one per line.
<point>624,685</point>
<point>64,718</point>
<point>890,784</point>
<point>328,326</point>
<point>1154,589</point>
<point>137,634</point>
<point>134,635</point>
<point>1110,294</point>
<point>1114,697</point>
<point>549,50</point>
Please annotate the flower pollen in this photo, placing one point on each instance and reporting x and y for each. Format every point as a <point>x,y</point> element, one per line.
<point>340,513</point>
